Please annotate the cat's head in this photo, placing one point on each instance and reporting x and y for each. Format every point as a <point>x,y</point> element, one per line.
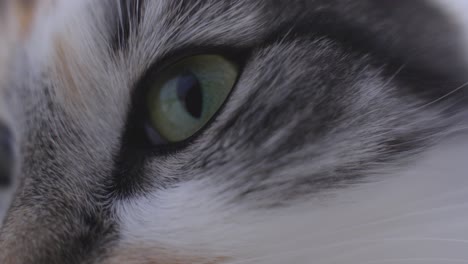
<point>241,131</point>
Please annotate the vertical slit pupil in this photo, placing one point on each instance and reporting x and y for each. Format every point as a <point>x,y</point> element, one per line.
<point>189,92</point>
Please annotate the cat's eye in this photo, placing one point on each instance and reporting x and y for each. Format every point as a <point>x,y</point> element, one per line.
<point>187,94</point>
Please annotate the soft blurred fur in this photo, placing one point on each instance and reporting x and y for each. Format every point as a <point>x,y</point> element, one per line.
<point>344,140</point>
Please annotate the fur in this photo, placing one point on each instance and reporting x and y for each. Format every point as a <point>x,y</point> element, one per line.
<point>344,140</point>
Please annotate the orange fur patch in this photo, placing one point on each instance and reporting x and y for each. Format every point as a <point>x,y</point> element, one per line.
<point>24,11</point>
<point>145,255</point>
<point>68,71</point>
<point>63,63</point>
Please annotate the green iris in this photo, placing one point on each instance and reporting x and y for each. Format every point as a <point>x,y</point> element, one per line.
<point>188,94</point>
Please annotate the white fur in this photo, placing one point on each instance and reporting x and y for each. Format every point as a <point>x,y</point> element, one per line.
<point>418,215</point>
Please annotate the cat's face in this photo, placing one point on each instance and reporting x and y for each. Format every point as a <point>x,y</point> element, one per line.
<point>341,141</point>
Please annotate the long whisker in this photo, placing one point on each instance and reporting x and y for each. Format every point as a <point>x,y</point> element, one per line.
<point>354,243</point>
<point>418,260</point>
<point>409,215</point>
<point>398,71</point>
<point>443,97</point>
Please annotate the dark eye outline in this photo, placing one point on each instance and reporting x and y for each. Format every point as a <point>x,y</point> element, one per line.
<point>135,134</point>
<point>160,129</point>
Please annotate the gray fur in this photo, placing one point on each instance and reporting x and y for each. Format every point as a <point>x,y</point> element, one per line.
<point>315,108</point>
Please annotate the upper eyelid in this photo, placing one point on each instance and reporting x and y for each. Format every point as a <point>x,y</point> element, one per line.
<point>238,56</point>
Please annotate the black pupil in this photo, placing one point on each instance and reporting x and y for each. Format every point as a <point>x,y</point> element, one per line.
<point>190,93</point>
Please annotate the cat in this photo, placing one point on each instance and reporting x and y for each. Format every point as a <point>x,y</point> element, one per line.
<point>234,132</point>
